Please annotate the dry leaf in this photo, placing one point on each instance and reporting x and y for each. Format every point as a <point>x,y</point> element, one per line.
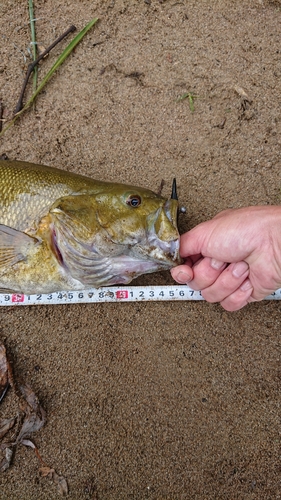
<point>60,481</point>
<point>3,362</point>
<point>5,425</point>
<point>241,92</point>
<point>34,419</point>
<point>4,377</point>
<point>6,462</point>
<point>27,442</point>
<point>30,398</point>
<point>245,99</point>
<point>35,415</point>
<point>46,471</point>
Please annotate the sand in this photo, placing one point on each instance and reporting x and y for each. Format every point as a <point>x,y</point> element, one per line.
<point>152,400</point>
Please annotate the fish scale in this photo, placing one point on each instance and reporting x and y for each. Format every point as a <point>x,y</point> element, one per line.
<point>50,183</point>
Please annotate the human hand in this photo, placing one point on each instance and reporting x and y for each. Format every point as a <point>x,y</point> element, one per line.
<point>234,258</point>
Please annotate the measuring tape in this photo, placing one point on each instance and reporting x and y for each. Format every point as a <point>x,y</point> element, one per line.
<point>110,294</point>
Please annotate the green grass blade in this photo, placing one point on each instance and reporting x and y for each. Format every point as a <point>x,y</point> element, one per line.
<point>33,40</point>
<point>191,102</point>
<point>190,96</point>
<point>67,51</point>
<point>182,97</point>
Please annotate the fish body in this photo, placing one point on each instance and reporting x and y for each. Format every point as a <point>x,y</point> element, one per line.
<point>60,230</point>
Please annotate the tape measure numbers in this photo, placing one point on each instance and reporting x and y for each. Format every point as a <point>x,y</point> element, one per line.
<point>110,294</point>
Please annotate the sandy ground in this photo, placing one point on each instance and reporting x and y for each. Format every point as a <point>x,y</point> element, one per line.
<point>152,400</point>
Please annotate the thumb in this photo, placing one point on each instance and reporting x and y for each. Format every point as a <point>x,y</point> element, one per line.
<point>194,241</point>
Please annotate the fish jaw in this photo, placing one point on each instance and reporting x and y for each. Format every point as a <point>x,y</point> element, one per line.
<point>166,252</point>
<point>163,235</point>
<point>157,255</point>
<point>125,268</point>
<point>89,267</point>
<point>159,252</point>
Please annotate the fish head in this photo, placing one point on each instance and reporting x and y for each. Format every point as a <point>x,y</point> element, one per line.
<point>116,234</point>
<point>137,216</point>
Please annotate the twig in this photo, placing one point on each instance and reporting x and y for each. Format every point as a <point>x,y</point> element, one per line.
<point>33,42</point>
<point>31,66</point>
<point>161,187</point>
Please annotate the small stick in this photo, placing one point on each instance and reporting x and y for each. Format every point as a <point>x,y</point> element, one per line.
<point>31,66</point>
<point>161,187</point>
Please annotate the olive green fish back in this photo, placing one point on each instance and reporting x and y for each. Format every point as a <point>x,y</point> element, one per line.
<point>28,190</point>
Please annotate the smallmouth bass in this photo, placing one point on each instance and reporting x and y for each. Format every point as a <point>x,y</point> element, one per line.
<point>65,231</point>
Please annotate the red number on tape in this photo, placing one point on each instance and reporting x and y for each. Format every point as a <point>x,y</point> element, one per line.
<point>17,297</point>
<point>122,294</point>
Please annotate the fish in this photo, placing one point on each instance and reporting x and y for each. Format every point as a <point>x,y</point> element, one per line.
<point>63,231</point>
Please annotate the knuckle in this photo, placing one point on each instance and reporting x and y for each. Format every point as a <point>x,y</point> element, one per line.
<point>209,296</point>
<point>236,300</point>
<point>194,286</point>
<point>226,283</point>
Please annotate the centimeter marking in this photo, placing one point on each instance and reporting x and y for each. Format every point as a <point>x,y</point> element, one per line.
<point>110,294</point>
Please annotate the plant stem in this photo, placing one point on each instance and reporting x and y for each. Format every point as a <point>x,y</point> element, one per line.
<point>33,42</point>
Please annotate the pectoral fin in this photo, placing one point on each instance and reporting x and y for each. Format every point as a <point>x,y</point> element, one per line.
<point>14,246</point>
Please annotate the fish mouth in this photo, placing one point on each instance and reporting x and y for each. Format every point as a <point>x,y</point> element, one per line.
<point>163,235</point>
<point>165,251</point>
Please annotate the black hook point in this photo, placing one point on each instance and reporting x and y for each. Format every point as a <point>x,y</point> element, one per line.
<point>174,195</point>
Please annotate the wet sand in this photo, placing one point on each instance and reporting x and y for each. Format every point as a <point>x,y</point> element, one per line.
<point>152,400</point>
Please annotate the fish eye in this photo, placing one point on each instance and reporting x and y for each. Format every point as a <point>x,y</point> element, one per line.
<point>134,200</point>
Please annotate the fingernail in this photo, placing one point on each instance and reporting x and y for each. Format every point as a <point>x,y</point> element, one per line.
<point>246,286</point>
<point>239,269</point>
<point>183,277</point>
<point>217,264</point>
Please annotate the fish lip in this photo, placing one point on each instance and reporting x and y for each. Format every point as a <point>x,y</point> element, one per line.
<point>165,241</point>
<point>169,250</point>
<point>171,210</point>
